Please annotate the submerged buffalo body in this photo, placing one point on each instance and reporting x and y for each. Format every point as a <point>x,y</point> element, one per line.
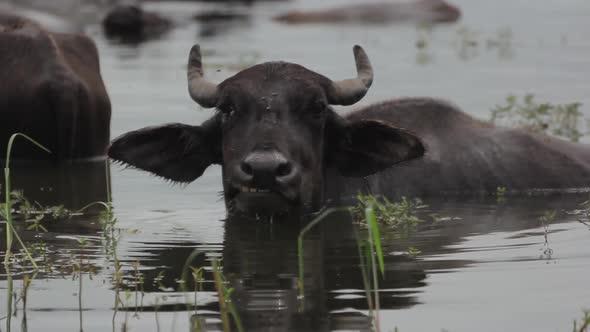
<point>418,11</point>
<point>51,89</point>
<point>283,148</point>
<point>466,156</point>
<point>132,23</point>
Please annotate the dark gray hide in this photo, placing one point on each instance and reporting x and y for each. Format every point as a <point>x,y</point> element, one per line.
<point>465,156</point>
<point>413,11</point>
<point>274,133</point>
<point>284,150</point>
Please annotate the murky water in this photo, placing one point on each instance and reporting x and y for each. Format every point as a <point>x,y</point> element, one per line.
<point>485,269</point>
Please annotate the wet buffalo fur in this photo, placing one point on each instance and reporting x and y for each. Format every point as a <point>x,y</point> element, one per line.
<point>51,89</point>
<point>410,146</point>
<point>465,156</point>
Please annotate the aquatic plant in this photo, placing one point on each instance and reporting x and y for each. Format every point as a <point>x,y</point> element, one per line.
<point>226,306</point>
<point>583,213</point>
<point>138,282</point>
<point>6,208</point>
<point>370,251</point>
<point>398,215</point>
<point>413,252</point>
<point>500,195</point>
<point>196,274</point>
<point>561,120</point>
<point>584,324</point>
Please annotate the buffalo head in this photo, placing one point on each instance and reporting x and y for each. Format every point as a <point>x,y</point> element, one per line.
<point>132,23</point>
<point>275,135</point>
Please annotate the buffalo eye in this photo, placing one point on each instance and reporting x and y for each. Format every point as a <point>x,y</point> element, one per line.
<point>227,110</point>
<point>318,109</point>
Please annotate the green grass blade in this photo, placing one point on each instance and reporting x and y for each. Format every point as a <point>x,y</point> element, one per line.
<point>372,223</point>
<point>11,142</point>
<point>8,202</point>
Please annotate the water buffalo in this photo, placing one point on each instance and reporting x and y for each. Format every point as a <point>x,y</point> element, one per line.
<point>51,89</point>
<point>283,148</point>
<point>419,11</point>
<point>132,23</point>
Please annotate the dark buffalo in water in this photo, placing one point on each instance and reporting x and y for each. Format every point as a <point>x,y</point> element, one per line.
<point>418,11</point>
<point>132,23</point>
<point>51,89</point>
<point>284,149</point>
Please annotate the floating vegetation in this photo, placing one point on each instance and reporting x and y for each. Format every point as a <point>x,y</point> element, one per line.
<point>370,213</point>
<point>401,215</point>
<point>583,213</point>
<point>34,213</point>
<point>563,120</point>
<point>413,252</point>
<point>501,195</point>
<point>7,206</point>
<point>17,208</point>
<point>584,324</point>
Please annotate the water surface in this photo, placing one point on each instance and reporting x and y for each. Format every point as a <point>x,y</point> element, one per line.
<point>485,269</point>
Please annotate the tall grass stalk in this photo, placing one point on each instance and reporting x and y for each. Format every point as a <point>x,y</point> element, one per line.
<point>9,288</point>
<point>222,305</point>
<point>226,306</point>
<point>10,231</point>
<point>364,252</point>
<point>80,303</point>
<point>374,252</point>
<point>584,323</point>
<point>8,202</point>
<point>197,277</point>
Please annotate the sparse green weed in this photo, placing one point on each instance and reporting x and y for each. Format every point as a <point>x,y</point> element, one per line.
<point>583,213</point>
<point>413,252</point>
<point>500,195</point>
<point>400,215</point>
<point>584,324</point>
<point>226,306</point>
<point>561,120</point>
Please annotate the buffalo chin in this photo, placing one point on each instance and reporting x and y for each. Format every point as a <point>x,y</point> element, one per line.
<point>262,203</point>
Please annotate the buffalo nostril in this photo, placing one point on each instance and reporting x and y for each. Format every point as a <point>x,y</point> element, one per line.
<point>284,169</point>
<point>246,168</point>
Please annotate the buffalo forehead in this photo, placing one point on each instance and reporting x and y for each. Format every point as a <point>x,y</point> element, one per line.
<point>273,79</point>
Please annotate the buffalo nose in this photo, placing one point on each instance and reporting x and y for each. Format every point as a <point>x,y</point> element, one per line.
<point>266,168</point>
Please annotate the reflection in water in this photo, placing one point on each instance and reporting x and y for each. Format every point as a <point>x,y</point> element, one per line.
<point>260,264</point>
<point>72,185</point>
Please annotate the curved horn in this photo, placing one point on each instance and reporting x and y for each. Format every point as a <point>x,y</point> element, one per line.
<point>348,92</point>
<point>200,90</point>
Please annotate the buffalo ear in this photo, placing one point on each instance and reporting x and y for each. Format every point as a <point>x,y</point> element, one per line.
<point>365,147</point>
<point>175,151</point>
